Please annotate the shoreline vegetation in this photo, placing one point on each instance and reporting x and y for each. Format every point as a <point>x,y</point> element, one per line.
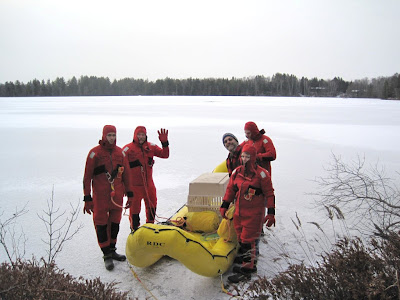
<point>284,85</point>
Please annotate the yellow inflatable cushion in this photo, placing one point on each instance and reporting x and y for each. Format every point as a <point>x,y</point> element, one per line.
<point>202,221</point>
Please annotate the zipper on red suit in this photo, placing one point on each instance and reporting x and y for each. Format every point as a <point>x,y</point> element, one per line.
<point>144,168</point>
<point>112,168</point>
<point>240,192</point>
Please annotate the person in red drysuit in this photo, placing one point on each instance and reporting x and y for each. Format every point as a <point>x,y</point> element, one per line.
<point>231,144</point>
<point>251,188</point>
<point>265,147</point>
<point>140,155</point>
<point>105,171</point>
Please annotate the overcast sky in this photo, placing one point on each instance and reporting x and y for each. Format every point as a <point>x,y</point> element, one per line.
<point>154,39</point>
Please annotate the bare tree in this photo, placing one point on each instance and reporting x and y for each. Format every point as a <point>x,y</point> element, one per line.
<point>8,235</point>
<point>370,200</point>
<point>59,228</point>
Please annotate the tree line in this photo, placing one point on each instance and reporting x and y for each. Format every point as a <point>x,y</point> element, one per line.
<point>277,85</point>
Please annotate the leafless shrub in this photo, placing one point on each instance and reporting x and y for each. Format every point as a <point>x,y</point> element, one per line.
<point>59,229</point>
<point>368,198</point>
<point>13,243</point>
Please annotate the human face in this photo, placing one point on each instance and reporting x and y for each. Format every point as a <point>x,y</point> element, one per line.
<point>247,133</point>
<point>230,144</point>
<point>111,137</point>
<point>141,137</point>
<point>245,158</point>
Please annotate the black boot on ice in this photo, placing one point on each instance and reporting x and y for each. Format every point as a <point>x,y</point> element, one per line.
<point>238,277</point>
<point>108,261</point>
<point>117,256</point>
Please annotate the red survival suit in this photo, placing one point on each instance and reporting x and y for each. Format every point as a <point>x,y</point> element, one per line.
<point>140,160</point>
<point>251,188</point>
<point>103,165</point>
<point>265,148</point>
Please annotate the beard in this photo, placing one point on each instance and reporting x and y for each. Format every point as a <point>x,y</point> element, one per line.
<point>232,148</point>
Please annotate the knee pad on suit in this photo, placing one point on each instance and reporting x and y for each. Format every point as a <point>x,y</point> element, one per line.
<point>101,231</point>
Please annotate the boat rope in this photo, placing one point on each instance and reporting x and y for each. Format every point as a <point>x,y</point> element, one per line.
<point>117,173</point>
<point>224,289</point>
<point>141,282</point>
<point>151,206</point>
<point>112,194</point>
<point>179,221</point>
<point>182,223</point>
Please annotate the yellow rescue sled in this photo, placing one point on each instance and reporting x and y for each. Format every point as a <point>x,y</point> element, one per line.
<point>199,240</point>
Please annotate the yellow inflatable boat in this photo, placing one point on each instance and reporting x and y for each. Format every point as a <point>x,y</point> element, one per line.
<point>203,243</point>
<point>202,254</point>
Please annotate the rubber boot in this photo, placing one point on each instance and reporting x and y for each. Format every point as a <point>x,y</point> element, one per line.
<point>244,274</point>
<point>239,269</point>
<point>116,256</point>
<point>108,261</point>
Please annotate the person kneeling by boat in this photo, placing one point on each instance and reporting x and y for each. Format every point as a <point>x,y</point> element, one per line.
<point>251,186</point>
<point>104,171</point>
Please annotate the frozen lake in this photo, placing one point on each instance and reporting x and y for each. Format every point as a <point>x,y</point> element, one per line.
<point>48,140</point>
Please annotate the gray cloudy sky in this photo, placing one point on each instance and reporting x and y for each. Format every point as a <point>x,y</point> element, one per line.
<point>152,39</point>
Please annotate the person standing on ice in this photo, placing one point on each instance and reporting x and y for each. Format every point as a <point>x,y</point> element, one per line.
<point>140,155</point>
<point>231,144</point>
<point>265,147</point>
<point>105,173</point>
<point>251,188</point>
<point>233,161</point>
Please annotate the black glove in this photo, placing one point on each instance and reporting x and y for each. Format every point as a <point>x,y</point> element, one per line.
<point>88,208</point>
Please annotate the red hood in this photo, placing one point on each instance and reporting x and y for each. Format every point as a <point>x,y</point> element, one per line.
<point>106,130</point>
<point>139,129</point>
<point>251,164</point>
<point>255,132</point>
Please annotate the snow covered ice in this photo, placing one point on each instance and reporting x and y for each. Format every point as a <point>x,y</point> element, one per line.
<point>46,141</point>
